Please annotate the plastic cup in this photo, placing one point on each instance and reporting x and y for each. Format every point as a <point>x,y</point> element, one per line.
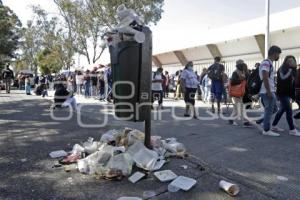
<point>230,188</point>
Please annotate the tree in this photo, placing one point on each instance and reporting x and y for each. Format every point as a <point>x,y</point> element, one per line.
<point>21,64</point>
<point>88,20</point>
<point>10,27</point>
<point>44,33</point>
<point>49,61</point>
<point>31,46</point>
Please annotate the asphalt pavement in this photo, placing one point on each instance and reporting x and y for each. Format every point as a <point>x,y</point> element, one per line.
<point>263,167</point>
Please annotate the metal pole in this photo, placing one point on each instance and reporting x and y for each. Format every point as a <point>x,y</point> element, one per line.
<point>267,34</point>
<point>148,127</point>
<point>148,133</point>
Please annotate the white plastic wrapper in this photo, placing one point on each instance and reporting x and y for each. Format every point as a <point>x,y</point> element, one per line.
<point>122,162</point>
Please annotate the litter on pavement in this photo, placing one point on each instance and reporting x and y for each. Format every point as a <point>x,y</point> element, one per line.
<point>230,188</point>
<point>136,177</point>
<point>122,153</point>
<point>58,154</point>
<point>166,175</point>
<point>183,183</point>
<point>115,154</point>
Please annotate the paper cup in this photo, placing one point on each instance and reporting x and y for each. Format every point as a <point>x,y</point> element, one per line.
<point>230,188</point>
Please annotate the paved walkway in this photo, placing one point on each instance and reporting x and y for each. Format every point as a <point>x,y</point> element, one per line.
<point>265,168</point>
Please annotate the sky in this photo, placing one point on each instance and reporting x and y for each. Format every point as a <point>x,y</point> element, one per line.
<point>181,18</point>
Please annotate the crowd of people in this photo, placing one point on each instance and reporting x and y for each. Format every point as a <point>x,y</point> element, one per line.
<point>213,85</point>
<point>244,86</point>
<point>96,84</point>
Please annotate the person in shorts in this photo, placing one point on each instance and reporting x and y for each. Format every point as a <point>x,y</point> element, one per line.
<point>216,74</point>
<point>189,84</point>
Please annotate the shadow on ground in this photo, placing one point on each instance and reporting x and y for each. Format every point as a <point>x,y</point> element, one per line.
<point>28,134</point>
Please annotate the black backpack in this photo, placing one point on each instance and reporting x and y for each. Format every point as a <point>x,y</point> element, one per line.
<point>215,72</point>
<point>254,82</point>
<point>7,74</point>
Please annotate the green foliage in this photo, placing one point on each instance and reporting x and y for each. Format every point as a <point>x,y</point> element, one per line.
<point>49,61</point>
<point>10,27</point>
<point>21,65</point>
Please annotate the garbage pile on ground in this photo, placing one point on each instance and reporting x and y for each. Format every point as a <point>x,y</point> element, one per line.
<point>115,154</point>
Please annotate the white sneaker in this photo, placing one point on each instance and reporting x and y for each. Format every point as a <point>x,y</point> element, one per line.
<point>234,123</point>
<point>294,132</point>
<point>277,129</point>
<point>270,133</point>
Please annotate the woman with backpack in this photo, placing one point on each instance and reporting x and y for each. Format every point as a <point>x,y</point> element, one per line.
<point>237,87</point>
<point>285,93</point>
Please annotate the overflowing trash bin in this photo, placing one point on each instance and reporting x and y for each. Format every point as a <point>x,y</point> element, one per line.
<point>130,46</point>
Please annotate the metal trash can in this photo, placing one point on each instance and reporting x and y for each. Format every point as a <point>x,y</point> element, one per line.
<point>131,70</point>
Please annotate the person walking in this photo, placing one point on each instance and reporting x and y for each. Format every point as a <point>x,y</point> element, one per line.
<point>70,83</point>
<point>166,84</point>
<point>101,85</point>
<point>87,84</point>
<point>216,73</point>
<point>238,80</point>
<point>157,87</point>
<point>204,72</point>
<point>267,90</point>
<point>206,83</point>
<point>178,85</point>
<point>94,80</point>
<point>189,84</point>
<point>79,82</point>
<point>285,92</point>
<point>8,77</point>
<point>27,85</point>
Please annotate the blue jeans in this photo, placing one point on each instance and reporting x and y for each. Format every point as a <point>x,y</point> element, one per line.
<point>87,90</point>
<point>269,105</point>
<point>45,93</point>
<point>285,107</point>
<point>28,89</point>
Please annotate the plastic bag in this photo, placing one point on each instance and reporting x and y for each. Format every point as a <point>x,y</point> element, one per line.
<point>134,136</point>
<point>77,149</point>
<point>156,142</point>
<point>90,164</point>
<point>112,137</point>
<point>146,159</point>
<point>92,148</point>
<point>122,162</point>
<point>143,157</point>
<point>136,147</point>
<point>173,146</point>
